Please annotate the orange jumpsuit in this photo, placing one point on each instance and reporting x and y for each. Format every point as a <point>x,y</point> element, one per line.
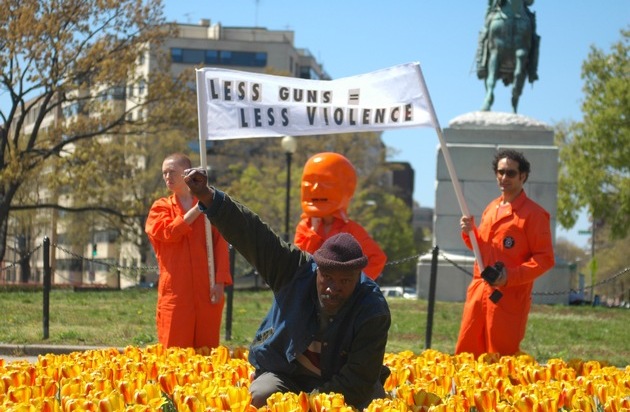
<point>309,240</point>
<point>520,238</point>
<point>185,315</point>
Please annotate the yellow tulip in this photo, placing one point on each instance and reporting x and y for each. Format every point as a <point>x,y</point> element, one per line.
<point>526,403</point>
<point>389,405</point>
<point>583,402</point>
<point>22,407</point>
<point>20,394</point>
<point>426,399</point>
<point>138,380</point>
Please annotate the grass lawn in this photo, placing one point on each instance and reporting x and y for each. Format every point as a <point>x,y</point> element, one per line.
<point>122,318</point>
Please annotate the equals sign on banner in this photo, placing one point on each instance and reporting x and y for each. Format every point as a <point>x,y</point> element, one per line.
<point>353,96</point>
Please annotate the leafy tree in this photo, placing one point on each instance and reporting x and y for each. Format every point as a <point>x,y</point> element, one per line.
<point>66,72</point>
<point>595,165</point>
<point>611,259</point>
<point>595,153</point>
<point>574,256</point>
<point>388,219</point>
<point>569,251</point>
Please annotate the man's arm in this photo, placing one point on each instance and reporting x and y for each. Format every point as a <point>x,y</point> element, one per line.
<point>161,226</point>
<point>274,259</point>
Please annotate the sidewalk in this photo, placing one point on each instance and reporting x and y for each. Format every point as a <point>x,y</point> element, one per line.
<point>11,352</point>
<point>43,349</point>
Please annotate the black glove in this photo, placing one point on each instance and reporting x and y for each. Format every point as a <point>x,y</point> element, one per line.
<point>490,274</point>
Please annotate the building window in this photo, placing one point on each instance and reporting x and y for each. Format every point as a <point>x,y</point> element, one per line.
<point>118,92</point>
<point>72,264</point>
<point>307,72</point>
<point>212,57</point>
<point>105,236</point>
<point>223,57</point>
<point>72,110</point>
<point>247,59</point>
<point>193,56</point>
<point>260,59</point>
<point>177,55</point>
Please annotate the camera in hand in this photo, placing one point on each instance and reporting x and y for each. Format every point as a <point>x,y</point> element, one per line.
<point>491,273</point>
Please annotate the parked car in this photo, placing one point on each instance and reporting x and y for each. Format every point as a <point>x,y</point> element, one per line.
<point>399,292</point>
<point>410,293</point>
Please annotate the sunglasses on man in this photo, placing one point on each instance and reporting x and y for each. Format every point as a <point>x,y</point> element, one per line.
<point>511,173</point>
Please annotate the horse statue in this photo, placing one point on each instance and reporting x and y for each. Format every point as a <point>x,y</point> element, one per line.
<point>508,48</point>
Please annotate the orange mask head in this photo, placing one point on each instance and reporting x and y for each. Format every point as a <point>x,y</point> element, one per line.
<point>328,184</point>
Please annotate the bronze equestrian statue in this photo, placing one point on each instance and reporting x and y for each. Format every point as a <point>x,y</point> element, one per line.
<point>508,48</point>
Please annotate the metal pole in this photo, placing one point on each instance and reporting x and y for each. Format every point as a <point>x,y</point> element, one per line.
<point>229,291</point>
<point>288,199</point>
<point>592,258</point>
<point>47,277</point>
<point>430,310</point>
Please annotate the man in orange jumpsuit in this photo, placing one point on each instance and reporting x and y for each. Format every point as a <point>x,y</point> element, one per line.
<point>515,231</point>
<point>328,184</point>
<point>189,311</point>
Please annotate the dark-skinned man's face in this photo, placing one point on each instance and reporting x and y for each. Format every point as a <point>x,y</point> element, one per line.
<point>334,287</point>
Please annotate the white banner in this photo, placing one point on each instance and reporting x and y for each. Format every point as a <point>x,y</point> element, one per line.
<point>235,105</point>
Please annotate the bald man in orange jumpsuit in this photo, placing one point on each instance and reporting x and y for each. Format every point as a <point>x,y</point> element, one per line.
<point>189,311</point>
<point>516,231</point>
<point>328,184</point>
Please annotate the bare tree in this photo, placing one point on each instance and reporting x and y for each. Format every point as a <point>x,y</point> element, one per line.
<point>65,70</point>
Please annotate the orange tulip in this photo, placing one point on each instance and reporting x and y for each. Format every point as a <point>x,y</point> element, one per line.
<point>240,352</point>
<point>167,382</point>
<point>486,399</point>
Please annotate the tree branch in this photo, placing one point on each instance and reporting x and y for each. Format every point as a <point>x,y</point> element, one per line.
<point>106,210</point>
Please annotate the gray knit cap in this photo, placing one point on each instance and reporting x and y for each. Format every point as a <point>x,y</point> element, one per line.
<point>341,251</point>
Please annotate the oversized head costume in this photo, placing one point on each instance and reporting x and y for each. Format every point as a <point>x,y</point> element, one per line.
<point>328,184</point>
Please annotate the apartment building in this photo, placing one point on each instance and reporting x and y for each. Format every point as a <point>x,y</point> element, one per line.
<point>252,49</point>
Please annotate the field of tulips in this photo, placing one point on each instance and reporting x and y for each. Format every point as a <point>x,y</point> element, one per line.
<point>158,379</point>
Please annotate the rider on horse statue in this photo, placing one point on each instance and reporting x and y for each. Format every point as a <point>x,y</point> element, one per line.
<point>508,36</point>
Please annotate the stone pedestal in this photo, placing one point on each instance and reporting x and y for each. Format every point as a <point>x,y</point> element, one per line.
<point>472,140</point>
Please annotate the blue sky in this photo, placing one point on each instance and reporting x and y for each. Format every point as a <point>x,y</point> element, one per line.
<point>351,37</point>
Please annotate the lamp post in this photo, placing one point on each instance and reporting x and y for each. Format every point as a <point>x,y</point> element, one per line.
<point>289,145</point>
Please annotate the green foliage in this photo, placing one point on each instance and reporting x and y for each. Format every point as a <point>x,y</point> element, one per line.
<point>595,153</point>
<point>263,190</point>
<point>388,219</point>
<point>169,405</point>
